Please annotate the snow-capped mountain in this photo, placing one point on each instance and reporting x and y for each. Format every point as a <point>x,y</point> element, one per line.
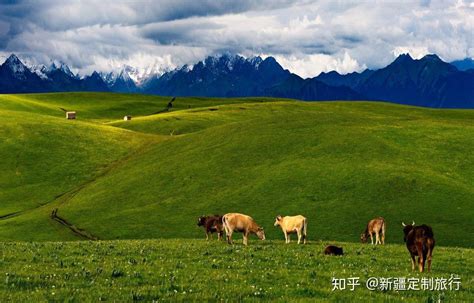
<point>428,81</point>
<point>15,77</point>
<point>18,69</point>
<point>40,71</point>
<point>121,81</point>
<point>59,65</point>
<point>220,76</point>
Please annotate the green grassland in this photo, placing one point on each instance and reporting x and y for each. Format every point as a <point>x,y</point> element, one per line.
<point>338,163</point>
<point>196,270</point>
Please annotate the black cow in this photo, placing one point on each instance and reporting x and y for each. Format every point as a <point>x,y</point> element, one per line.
<point>211,225</point>
<point>333,250</point>
<point>420,242</point>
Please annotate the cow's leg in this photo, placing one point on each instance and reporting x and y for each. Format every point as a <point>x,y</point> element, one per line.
<point>430,252</point>
<point>229,236</point>
<point>377,238</point>
<point>421,260</point>
<point>383,237</point>
<point>298,232</point>
<point>286,236</point>
<point>246,238</point>
<point>219,235</point>
<point>371,239</point>
<point>412,261</point>
<point>289,238</point>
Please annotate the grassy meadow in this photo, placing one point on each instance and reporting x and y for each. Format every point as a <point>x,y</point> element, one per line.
<point>200,271</point>
<point>146,181</point>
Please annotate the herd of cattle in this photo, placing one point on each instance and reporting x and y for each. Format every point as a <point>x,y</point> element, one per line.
<point>419,239</point>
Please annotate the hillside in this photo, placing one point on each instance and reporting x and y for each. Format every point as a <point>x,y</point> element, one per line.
<point>338,163</point>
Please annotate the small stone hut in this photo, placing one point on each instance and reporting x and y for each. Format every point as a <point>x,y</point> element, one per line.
<point>70,115</point>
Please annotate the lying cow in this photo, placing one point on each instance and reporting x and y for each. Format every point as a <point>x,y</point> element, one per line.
<point>241,223</point>
<point>375,226</point>
<point>333,250</point>
<point>211,224</point>
<point>292,224</point>
<point>420,242</point>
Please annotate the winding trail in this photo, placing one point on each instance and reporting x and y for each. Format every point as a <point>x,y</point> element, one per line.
<point>68,196</point>
<point>65,197</point>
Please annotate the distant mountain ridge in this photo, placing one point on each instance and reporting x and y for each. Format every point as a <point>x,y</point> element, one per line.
<point>428,82</point>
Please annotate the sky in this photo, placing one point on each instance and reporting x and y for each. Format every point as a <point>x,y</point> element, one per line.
<point>306,37</point>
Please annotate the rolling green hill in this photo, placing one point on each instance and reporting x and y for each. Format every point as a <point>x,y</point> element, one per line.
<point>337,163</point>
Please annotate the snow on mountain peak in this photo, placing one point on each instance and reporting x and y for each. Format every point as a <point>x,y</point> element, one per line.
<point>40,70</point>
<point>16,66</point>
<point>59,65</point>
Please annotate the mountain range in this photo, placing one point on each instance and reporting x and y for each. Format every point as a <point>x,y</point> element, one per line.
<point>428,81</point>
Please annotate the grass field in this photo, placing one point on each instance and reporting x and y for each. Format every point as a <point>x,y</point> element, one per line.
<point>196,270</point>
<point>338,163</point>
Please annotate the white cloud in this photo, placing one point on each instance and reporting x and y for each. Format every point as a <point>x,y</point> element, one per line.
<point>416,52</point>
<point>308,66</point>
<point>305,36</point>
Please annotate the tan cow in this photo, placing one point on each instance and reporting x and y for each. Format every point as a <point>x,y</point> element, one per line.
<point>241,223</point>
<point>375,226</point>
<point>292,224</point>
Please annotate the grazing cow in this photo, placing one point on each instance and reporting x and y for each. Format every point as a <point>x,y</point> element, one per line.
<point>333,250</point>
<point>211,225</point>
<point>420,242</point>
<point>375,226</point>
<point>241,223</point>
<point>292,224</point>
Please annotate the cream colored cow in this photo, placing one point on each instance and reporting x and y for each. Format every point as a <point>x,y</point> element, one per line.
<point>241,223</point>
<point>375,226</point>
<point>293,224</point>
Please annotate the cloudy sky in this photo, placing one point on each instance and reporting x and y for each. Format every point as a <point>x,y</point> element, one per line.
<point>306,37</point>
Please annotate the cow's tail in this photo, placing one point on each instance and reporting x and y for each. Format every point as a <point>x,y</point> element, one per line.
<point>304,229</point>
<point>383,231</point>
<point>224,223</point>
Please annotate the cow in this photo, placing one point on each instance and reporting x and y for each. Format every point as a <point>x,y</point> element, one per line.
<point>420,242</point>
<point>241,223</point>
<point>333,250</point>
<point>211,225</point>
<point>375,226</point>
<point>292,224</point>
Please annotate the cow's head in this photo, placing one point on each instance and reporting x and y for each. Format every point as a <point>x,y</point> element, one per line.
<point>260,233</point>
<point>201,221</point>
<point>363,237</point>
<point>278,220</point>
<point>406,229</point>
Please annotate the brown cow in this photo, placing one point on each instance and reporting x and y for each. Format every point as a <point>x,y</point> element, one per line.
<point>292,224</point>
<point>241,223</point>
<point>211,225</point>
<point>375,226</point>
<point>333,250</point>
<point>420,242</point>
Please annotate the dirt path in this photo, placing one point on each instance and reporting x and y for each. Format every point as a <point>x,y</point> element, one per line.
<point>76,230</point>
<point>68,196</point>
<point>63,198</point>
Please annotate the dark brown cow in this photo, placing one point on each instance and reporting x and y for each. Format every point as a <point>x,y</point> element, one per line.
<point>420,242</point>
<point>211,225</point>
<point>333,250</point>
